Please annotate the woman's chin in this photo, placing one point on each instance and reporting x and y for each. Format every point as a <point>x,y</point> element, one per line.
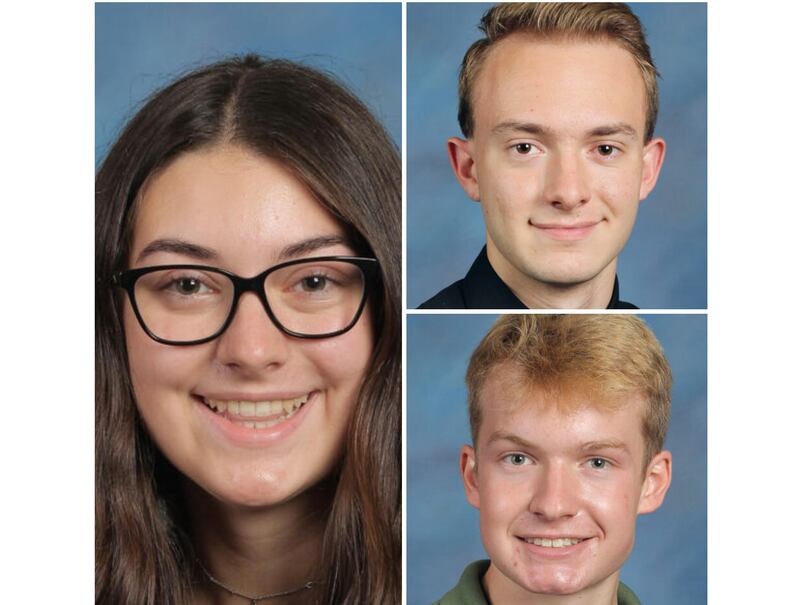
<point>256,492</point>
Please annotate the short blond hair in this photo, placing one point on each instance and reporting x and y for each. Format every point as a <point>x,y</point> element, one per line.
<point>613,357</point>
<point>611,21</point>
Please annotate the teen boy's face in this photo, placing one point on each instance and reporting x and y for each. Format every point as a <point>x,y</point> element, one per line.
<point>558,492</point>
<point>557,157</point>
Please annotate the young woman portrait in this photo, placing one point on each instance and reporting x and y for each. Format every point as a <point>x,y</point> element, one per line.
<point>248,345</point>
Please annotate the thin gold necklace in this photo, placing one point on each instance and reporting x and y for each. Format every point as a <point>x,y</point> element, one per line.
<point>255,600</point>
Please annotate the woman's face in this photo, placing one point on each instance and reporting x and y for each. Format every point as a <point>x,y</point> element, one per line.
<point>231,208</point>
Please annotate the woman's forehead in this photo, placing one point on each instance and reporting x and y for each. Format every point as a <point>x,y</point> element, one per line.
<point>232,200</point>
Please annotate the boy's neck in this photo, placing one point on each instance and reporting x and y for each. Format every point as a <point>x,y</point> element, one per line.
<point>592,294</point>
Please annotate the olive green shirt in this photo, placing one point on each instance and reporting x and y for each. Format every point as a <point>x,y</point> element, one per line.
<point>469,590</point>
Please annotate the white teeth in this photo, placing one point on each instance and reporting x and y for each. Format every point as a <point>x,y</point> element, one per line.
<point>266,408</point>
<point>553,543</point>
<point>283,408</point>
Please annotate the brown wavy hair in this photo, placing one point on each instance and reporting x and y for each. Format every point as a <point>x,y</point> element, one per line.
<point>328,138</point>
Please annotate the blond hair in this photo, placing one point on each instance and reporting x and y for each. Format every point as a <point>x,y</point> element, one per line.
<point>613,357</point>
<point>610,21</point>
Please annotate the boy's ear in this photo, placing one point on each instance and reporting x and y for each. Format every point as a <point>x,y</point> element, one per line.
<point>469,474</point>
<point>653,158</point>
<point>656,482</point>
<point>463,164</point>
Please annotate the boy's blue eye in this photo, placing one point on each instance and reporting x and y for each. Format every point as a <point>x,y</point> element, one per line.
<point>517,459</point>
<point>598,463</point>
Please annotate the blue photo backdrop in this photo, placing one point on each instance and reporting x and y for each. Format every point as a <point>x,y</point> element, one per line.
<point>668,563</point>
<point>141,47</point>
<point>664,265</point>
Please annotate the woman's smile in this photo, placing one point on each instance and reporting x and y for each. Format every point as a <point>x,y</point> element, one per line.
<point>258,424</point>
<point>257,414</point>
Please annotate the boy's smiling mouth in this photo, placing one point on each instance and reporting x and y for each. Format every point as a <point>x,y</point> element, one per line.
<point>257,414</point>
<point>553,542</point>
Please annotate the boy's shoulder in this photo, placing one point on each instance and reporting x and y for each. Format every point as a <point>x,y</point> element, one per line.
<point>469,590</point>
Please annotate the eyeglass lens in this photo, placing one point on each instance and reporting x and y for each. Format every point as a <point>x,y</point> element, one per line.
<point>183,305</point>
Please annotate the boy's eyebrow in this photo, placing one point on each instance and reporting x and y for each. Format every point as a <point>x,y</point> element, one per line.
<point>533,128</point>
<point>506,436</point>
<point>177,246</point>
<point>605,444</point>
<point>526,127</point>
<point>589,446</point>
<point>612,129</point>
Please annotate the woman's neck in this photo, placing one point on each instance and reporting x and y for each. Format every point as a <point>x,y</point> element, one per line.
<point>257,550</point>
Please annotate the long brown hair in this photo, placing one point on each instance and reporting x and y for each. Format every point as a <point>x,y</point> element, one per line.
<point>329,139</point>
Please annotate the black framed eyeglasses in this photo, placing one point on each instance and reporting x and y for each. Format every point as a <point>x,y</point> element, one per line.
<point>305,298</point>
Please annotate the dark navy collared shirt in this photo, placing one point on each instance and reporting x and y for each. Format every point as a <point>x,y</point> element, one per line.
<point>482,288</point>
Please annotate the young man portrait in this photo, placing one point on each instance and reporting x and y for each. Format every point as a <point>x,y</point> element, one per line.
<point>568,417</point>
<point>557,105</point>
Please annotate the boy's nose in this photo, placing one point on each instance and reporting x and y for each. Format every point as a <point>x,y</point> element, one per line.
<point>566,184</point>
<point>554,494</point>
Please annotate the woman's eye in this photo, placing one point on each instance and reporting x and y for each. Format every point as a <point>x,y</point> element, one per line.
<point>189,286</point>
<point>517,459</point>
<point>314,283</point>
<point>598,463</point>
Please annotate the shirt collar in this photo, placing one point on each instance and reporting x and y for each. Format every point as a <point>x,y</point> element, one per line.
<point>483,289</point>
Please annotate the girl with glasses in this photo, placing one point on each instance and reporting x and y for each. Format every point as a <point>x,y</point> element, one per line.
<point>248,345</point>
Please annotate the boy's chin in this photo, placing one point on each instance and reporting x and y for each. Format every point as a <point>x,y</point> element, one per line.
<point>555,582</point>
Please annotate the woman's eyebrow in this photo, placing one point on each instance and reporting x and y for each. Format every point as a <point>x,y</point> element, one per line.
<point>310,245</point>
<point>177,246</point>
<point>184,248</point>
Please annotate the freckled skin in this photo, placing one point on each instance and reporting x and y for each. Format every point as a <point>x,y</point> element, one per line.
<point>569,88</point>
<point>557,492</point>
<point>247,208</point>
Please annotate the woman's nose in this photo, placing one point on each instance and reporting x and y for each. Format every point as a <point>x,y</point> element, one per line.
<point>252,342</point>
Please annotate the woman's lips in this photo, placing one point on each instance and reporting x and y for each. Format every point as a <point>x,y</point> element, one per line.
<point>257,414</point>
<point>255,423</point>
<point>567,232</point>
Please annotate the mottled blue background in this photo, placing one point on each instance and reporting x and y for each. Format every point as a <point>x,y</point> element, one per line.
<point>663,265</point>
<point>142,47</point>
<point>668,564</point>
